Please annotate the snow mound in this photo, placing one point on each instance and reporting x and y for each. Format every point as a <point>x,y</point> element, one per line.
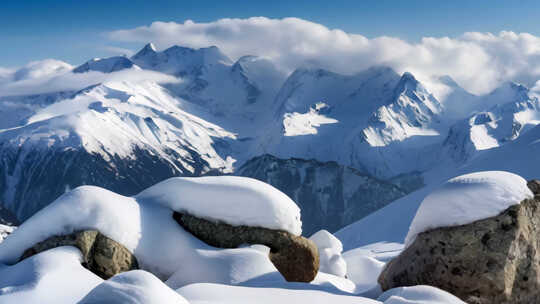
<point>133,287</point>
<point>230,199</point>
<point>330,248</point>
<point>468,198</point>
<point>420,294</point>
<point>54,276</point>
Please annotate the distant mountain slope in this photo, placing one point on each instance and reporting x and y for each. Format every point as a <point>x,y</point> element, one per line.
<point>122,136</point>
<point>390,224</point>
<point>380,121</point>
<point>220,113</point>
<point>329,195</point>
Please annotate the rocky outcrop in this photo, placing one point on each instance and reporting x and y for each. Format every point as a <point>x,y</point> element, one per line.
<point>101,255</point>
<point>296,257</point>
<point>494,260</point>
<point>330,195</point>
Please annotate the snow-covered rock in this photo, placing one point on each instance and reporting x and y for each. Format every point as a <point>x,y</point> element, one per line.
<point>468,198</point>
<point>136,221</point>
<point>233,200</point>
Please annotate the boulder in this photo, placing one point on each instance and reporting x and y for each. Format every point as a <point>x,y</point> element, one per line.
<point>296,257</point>
<point>100,254</point>
<point>493,260</point>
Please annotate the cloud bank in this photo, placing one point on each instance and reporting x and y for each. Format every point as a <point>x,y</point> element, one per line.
<point>477,61</point>
<point>50,75</point>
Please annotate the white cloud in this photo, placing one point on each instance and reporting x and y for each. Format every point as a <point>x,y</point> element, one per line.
<point>53,76</point>
<point>118,50</point>
<point>478,61</point>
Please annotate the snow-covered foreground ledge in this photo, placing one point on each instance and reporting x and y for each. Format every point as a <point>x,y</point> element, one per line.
<point>176,266</point>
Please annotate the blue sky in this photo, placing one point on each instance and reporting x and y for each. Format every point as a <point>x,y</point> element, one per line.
<point>73,31</point>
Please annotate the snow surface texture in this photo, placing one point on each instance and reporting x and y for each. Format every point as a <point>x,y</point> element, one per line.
<point>418,295</point>
<point>468,198</point>
<point>133,287</point>
<point>53,276</point>
<point>330,248</point>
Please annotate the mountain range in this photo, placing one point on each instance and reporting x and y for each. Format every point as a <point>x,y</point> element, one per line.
<point>342,146</point>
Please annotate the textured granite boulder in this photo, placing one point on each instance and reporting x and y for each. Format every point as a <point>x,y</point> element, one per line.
<point>296,257</point>
<point>493,260</point>
<point>101,255</point>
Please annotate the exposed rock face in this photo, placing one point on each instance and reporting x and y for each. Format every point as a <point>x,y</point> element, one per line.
<point>296,257</point>
<point>330,195</point>
<point>494,260</point>
<point>101,255</point>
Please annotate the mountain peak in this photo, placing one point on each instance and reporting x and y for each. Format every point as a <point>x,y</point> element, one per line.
<point>148,50</point>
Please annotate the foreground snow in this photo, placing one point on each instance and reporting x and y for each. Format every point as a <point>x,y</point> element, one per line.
<point>468,198</point>
<point>175,266</point>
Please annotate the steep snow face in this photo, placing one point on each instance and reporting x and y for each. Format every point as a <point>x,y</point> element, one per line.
<point>106,65</point>
<point>329,195</point>
<point>307,123</point>
<point>382,119</point>
<point>468,198</point>
<point>135,134</point>
<point>503,122</point>
<point>411,114</point>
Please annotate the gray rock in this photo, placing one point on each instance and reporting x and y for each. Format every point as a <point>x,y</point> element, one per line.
<point>101,255</point>
<point>296,257</point>
<point>330,195</point>
<point>494,260</point>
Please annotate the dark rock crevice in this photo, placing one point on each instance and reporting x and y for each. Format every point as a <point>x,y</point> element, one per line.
<point>296,257</point>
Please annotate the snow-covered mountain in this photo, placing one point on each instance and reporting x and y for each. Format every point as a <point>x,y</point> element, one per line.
<point>121,135</point>
<point>105,65</point>
<point>330,195</point>
<point>512,110</point>
<point>382,119</point>
<point>375,125</point>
